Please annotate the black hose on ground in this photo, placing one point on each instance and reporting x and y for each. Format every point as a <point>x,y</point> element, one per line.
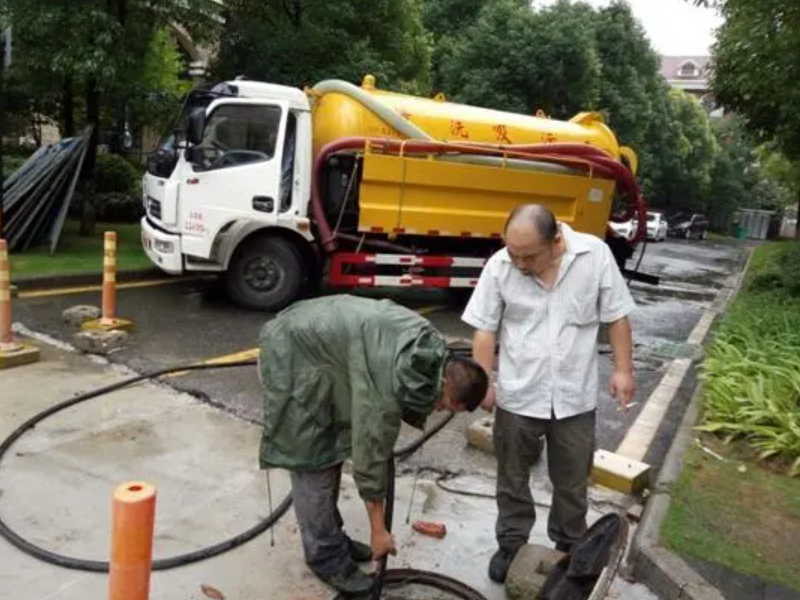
<point>392,576</point>
<point>403,577</point>
<point>102,566</point>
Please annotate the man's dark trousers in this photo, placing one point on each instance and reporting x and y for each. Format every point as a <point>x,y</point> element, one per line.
<point>315,495</point>
<point>570,449</point>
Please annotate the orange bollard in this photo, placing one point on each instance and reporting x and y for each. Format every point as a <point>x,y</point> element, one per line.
<point>5,298</point>
<point>109,278</point>
<point>108,319</point>
<point>132,520</point>
<point>12,352</point>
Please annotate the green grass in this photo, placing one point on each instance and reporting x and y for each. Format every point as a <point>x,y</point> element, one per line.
<point>752,370</point>
<point>747,521</point>
<point>744,512</point>
<point>76,254</point>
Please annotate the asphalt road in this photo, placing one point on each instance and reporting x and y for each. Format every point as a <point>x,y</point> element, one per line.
<point>191,321</point>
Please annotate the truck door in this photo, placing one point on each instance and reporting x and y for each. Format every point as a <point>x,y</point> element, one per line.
<point>235,172</point>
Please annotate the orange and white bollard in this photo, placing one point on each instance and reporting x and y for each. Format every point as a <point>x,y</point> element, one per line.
<point>6,340</point>
<point>12,353</point>
<point>133,513</point>
<point>109,278</point>
<point>108,319</point>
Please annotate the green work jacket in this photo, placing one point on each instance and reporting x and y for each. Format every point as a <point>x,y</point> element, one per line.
<point>340,373</point>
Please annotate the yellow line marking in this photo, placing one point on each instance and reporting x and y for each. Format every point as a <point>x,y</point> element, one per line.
<point>248,354</point>
<point>426,310</point>
<point>96,288</point>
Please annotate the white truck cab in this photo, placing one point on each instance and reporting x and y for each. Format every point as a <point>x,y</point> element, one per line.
<point>242,182</point>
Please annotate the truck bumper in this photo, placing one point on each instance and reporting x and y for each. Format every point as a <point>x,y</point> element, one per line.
<point>163,249</point>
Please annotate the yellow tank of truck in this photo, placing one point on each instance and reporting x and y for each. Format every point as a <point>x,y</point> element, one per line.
<point>425,196</point>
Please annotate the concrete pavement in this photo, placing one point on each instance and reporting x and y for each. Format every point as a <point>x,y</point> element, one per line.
<point>56,483</point>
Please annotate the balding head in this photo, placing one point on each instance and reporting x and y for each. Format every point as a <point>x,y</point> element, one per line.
<point>536,217</point>
<point>532,238</point>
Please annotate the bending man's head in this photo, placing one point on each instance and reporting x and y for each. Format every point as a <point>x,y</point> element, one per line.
<point>531,235</point>
<point>465,384</point>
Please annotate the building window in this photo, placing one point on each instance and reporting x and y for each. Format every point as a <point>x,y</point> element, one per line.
<point>689,69</point>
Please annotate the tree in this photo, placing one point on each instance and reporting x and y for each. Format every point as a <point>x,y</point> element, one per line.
<point>629,84</point>
<point>446,20</point>
<point>735,176</point>
<point>93,48</point>
<point>756,64</point>
<point>516,59</point>
<point>302,42</point>
<point>690,182</point>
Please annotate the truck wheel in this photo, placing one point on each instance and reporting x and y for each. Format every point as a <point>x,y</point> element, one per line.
<point>264,274</point>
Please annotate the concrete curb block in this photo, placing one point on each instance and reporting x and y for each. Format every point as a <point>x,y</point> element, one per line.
<point>661,570</point>
<point>652,564</point>
<point>52,281</point>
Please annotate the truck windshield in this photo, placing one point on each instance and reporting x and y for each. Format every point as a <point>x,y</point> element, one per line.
<point>163,159</point>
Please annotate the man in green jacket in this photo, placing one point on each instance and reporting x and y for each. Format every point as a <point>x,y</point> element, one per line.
<point>340,374</point>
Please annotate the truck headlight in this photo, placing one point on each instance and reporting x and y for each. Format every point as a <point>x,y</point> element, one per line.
<point>164,247</point>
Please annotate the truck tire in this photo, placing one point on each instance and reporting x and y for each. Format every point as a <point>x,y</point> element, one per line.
<point>265,273</point>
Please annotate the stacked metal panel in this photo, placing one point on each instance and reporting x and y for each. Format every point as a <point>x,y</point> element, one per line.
<point>37,195</point>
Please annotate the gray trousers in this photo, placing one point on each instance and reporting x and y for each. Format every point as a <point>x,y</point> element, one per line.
<point>315,495</point>
<point>570,448</point>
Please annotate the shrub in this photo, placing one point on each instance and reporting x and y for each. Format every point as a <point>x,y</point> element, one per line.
<point>752,370</point>
<point>118,208</point>
<point>778,270</point>
<point>790,269</point>
<point>114,174</point>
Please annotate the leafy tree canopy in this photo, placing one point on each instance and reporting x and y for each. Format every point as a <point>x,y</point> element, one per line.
<point>301,42</point>
<point>516,59</point>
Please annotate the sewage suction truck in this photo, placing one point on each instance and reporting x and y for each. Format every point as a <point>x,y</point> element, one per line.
<point>280,189</point>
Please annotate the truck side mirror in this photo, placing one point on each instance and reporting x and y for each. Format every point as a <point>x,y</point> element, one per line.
<point>194,155</point>
<point>195,126</point>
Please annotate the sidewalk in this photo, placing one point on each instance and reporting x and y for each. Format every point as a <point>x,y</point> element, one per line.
<point>56,483</point>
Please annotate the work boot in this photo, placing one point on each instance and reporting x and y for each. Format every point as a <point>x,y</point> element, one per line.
<point>499,564</point>
<point>350,581</point>
<point>359,551</point>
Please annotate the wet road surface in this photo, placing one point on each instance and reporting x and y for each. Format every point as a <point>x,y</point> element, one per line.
<point>192,321</point>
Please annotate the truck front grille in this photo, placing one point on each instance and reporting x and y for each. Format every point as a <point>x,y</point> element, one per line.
<point>154,207</point>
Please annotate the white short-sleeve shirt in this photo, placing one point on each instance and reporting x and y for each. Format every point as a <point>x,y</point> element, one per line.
<point>548,361</point>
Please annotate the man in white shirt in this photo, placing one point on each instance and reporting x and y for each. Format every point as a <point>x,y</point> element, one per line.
<point>544,295</point>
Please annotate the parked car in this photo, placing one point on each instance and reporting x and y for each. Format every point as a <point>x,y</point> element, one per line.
<point>688,226</point>
<point>626,229</point>
<point>657,226</point>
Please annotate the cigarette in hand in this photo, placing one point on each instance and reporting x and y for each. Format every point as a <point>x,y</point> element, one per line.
<point>630,405</point>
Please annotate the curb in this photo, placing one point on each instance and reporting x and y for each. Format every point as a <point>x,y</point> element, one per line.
<point>86,278</point>
<point>663,571</point>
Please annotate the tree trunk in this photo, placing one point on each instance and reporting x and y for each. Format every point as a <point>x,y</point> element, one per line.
<point>87,174</point>
<point>67,109</point>
<point>797,220</point>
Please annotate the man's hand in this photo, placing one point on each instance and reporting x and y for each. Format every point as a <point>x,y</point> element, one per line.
<point>382,543</point>
<point>488,401</point>
<point>622,386</point>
